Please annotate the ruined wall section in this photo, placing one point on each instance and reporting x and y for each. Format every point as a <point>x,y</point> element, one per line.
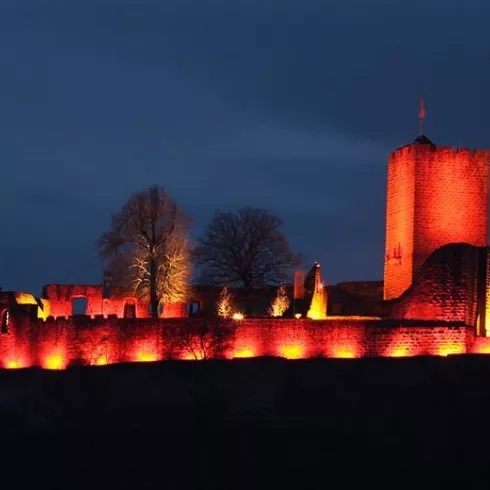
<point>60,297</point>
<point>444,289</point>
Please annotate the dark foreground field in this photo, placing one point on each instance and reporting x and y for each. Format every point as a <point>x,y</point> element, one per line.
<point>263,423</point>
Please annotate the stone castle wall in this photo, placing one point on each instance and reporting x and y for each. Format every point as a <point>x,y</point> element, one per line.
<point>444,289</point>
<point>59,343</point>
<point>398,269</point>
<point>451,199</point>
<point>437,315</point>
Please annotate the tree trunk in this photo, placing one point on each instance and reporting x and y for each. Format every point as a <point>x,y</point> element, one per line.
<point>153,289</point>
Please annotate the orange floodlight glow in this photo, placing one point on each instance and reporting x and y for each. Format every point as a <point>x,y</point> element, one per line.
<point>447,350</point>
<point>292,351</point>
<point>197,356</point>
<point>244,353</point>
<point>54,362</point>
<point>399,352</point>
<point>14,364</point>
<point>101,361</point>
<point>146,357</point>
<point>344,353</point>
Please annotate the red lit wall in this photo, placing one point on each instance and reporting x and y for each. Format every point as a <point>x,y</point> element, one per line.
<point>435,316</point>
<point>478,345</point>
<point>444,289</point>
<point>399,223</point>
<point>347,338</point>
<point>436,196</point>
<point>58,343</point>
<point>60,298</point>
<point>451,199</point>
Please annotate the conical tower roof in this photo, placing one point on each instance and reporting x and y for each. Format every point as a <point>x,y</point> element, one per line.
<point>423,140</point>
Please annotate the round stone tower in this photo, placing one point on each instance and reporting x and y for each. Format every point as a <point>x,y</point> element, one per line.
<point>436,195</point>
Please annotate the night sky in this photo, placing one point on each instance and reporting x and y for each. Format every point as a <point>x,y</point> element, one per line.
<point>289,105</point>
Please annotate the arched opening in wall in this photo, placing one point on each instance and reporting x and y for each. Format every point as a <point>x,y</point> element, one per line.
<point>193,308</point>
<point>129,309</point>
<point>5,321</point>
<point>79,305</point>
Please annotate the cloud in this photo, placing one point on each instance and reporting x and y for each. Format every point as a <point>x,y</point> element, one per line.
<point>291,105</point>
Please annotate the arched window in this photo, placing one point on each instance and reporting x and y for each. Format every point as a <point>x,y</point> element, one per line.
<point>193,308</point>
<point>5,321</point>
<point>130,309</point>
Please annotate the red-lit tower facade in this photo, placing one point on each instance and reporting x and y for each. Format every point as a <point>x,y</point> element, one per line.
<point>436,196</point>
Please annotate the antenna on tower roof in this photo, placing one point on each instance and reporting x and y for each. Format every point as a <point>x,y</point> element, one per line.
<point>421,116</point>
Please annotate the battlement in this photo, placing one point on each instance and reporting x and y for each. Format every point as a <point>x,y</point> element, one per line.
<point>416,149</point>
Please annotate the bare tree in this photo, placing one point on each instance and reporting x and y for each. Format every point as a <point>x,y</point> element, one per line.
<point>203,339</point>
<point>147,248</point>
<point>245,248</point>
<point>280,303</point>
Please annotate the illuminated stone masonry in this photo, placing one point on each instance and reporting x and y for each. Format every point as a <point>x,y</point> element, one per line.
<point>59,298</point>
<point>439,314</point>
<point>57,344</point>
<point>436,195</point>
<point>436,291</point>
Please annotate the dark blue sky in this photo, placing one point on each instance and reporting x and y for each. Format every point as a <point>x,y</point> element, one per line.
<point>289,105</point>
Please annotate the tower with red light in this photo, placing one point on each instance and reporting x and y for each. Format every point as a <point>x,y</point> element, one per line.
<point>436,195</point>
